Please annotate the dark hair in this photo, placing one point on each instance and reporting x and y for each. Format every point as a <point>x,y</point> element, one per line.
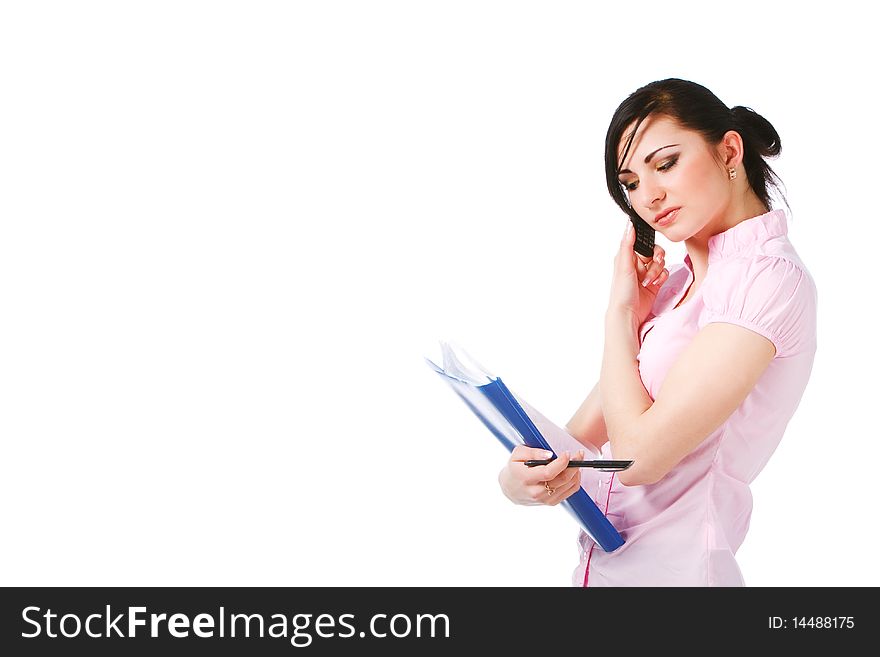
<point>696,108</point>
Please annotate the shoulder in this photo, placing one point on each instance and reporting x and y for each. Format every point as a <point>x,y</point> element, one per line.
<point>769,293</point>
<point>771,261</point>
<point>760,274</point>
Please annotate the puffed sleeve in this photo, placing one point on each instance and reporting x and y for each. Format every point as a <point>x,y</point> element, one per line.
<point>769,294</point>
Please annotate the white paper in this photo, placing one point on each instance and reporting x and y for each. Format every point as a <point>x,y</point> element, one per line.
<point>559,439</point>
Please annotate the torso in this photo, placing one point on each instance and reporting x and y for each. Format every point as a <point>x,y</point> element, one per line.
<point>687,296</point>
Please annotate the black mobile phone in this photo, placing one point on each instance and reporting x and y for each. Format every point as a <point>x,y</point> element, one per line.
<point>644,244</point>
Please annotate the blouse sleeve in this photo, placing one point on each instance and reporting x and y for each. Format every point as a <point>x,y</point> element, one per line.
<point>767,294</point>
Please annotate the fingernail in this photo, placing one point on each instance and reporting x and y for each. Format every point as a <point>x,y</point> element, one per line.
<point>548,455</point>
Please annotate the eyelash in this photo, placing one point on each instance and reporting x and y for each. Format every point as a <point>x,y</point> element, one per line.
<point>665,167</point>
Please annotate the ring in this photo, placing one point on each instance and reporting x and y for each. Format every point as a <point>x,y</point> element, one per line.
<point>550,491</point>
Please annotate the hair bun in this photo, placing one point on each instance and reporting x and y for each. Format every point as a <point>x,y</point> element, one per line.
<point>758,128</point>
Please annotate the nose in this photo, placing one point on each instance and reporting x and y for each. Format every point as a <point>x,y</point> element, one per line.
<point>651,193</point>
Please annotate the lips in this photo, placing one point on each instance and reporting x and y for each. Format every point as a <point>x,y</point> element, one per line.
<point>668,218</point>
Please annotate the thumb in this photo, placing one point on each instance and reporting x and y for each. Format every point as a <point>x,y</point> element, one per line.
<point>629,234</point>
<point>626,244</point>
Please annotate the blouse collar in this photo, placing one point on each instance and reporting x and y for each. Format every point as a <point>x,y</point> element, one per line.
<point>746,234</point>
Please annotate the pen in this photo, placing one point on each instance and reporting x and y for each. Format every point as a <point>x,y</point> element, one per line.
<point>604,464</point>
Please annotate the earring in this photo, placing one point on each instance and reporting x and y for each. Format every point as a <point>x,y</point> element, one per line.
<point>732,173</point>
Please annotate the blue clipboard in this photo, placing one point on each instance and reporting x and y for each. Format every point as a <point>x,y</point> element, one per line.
<point>503,415</point>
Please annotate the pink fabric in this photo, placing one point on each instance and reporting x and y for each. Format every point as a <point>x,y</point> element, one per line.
<point>685,529</point>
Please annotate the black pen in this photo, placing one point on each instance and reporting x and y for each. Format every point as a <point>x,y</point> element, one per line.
<point>604,464</point>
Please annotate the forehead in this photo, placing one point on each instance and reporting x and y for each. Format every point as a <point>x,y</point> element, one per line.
<point>654,132</point>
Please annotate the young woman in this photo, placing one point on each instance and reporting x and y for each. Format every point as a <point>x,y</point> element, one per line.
<point>704,363</point>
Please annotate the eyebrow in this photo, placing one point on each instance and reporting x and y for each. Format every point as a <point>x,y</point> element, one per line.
<point>648,159</point>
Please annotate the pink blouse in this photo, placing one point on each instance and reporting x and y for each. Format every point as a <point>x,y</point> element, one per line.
<point>685,529</point>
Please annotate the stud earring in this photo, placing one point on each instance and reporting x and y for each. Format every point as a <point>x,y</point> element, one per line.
<point>732,173</point>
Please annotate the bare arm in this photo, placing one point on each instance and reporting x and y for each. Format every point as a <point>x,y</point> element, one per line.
<point>588,423</point>
<point>708,381</point>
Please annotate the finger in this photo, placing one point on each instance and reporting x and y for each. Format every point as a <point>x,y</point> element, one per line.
<point>541,473</point>
<point>574,482</point>
<point>569,474</point>
<point>629,236</point>
<point>661,279</point>
<point>654,270</point>
<point>563,492</point>
<point>643,264</point>
<point>525,453</point>
<point>658,257</point>
<point>577,471</point>
<point>568,491</point>
<point>659,253</point>
<point>557,466</point>
<point>540,494</point>
<point>565,479</point>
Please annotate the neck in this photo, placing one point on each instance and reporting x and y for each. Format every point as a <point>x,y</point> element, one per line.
<point>698,244</point>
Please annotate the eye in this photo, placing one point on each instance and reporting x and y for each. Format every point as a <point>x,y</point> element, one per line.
<point>668,165</point>
<point>665,167</point>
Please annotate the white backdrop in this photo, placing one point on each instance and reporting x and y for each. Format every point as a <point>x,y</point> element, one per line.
<point>231,231</point>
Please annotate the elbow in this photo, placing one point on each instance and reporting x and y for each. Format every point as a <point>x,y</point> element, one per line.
<point>645,469</point>
<point>638,476</point>
<point>627,478</point>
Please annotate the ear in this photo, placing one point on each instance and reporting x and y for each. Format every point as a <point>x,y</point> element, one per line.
<point>730,149</point>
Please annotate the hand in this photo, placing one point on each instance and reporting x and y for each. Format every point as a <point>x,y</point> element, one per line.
<point>524,485</point>
<point>627,291</point>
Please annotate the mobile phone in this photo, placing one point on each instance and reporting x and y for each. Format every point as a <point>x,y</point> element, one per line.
<point>644,244</point>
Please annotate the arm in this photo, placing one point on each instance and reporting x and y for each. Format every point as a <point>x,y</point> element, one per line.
<point>588,423</point>
<point>710,379</point>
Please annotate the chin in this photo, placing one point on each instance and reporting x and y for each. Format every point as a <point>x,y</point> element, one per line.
<point>678,233</point>
<point>672,235</point>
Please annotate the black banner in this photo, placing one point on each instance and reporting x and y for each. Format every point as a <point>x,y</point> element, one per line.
<point>98,621</point>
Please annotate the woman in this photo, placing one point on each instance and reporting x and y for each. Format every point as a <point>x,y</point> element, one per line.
<point>704,363</point>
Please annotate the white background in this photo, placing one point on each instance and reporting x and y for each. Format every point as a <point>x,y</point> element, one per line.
<point>231,231</point>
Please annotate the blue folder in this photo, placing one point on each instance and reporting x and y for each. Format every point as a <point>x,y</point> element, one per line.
<point>499,410</point>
